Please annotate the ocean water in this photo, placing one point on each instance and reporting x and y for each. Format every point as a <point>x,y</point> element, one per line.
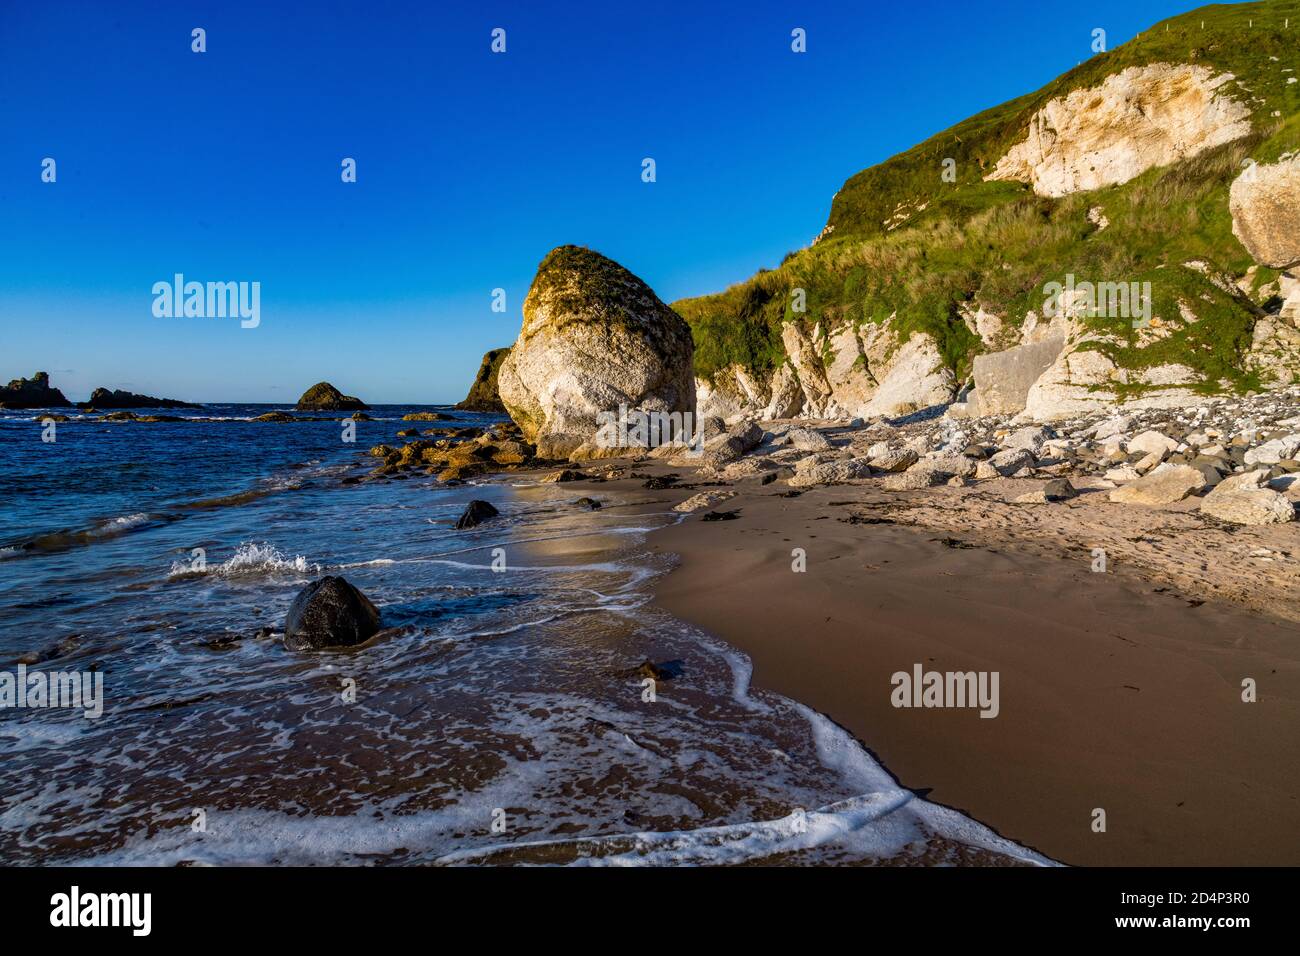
<point>499,718</point>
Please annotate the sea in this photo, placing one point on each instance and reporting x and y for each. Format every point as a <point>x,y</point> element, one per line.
<point>503,716</point>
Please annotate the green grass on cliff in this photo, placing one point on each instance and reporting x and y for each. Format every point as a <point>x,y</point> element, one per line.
<point>996,244</point>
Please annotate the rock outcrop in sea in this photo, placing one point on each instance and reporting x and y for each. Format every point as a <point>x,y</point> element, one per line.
<point>116,398</point>
<point>483,395</point>
<point>325,397</point>
<point>594,338</point>
<point>34,392</point>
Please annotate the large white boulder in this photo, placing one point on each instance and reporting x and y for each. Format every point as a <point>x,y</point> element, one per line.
<point>594,338</point>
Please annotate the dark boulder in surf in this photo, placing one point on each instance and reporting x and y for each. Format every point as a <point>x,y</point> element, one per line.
<point>329,613</point>
<point>475,514</point>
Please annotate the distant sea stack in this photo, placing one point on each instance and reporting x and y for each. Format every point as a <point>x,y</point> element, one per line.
<point>483,396</point>
<point>594,337</point>
<point>325,397</point>
<point>34,392</point>
<point>103,398</point>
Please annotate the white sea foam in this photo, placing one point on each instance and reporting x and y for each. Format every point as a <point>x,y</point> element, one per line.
<point>118,525</point>
<point>250,558</point>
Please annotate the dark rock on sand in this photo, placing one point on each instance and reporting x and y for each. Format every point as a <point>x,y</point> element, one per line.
<point>329,613</point>
<point>659,672</point>
<point>325,397</point>
<point>483,395</point>
<point>476,512</point>
<point>591,504</point>
<point>103,398</point>
<point>34,392</point>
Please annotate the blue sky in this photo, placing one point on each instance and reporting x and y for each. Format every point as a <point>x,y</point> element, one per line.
<point>225,165</point>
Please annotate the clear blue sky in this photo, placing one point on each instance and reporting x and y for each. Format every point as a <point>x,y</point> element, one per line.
<point>471,166</point>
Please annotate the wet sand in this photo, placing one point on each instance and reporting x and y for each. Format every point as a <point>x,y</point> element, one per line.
<point>1119,691</point>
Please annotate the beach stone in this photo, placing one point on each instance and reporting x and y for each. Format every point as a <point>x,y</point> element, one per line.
<point>1058,489</point>
<point>1152,443</point>
<point>948,465</point>
<point>805,439</point>
<point>1246,481</point>
<point>705,499</point>
<point>329,613</point>
<point>913,480</point>
<point>1030,438</point>
<point>594,338</point>
<point>591,504</point>
<point>1164,486</point>
<point>738,440</point>
<point>830,473</point>
<point>1010,461</point>
<point>1257,506</point>
<point>747,468</point>
<point>475,513</point>
<point>1271,452</point>
<point>892,459</point>
<point>985,471</point>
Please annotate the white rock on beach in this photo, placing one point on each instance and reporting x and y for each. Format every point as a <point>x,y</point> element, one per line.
<point>705,499</point>
<point>1271,452</point>
<point>594,337</point>
<point>1249,506</point>
<point>1007,463</point>
<point>893,459</point>
<point>1164,486</point>
<point>830,473</point>
<point>805,439</point>
<point>1152,442</point>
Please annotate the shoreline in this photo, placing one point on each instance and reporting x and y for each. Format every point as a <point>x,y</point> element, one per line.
<point>1119,691</point>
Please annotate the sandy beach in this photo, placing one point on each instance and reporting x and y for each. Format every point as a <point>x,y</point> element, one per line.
<point>1120,690</point>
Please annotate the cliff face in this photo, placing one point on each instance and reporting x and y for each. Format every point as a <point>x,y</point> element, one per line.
<point>1135,120</point>
<point>483,395</point>
<point>1079,241</point>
